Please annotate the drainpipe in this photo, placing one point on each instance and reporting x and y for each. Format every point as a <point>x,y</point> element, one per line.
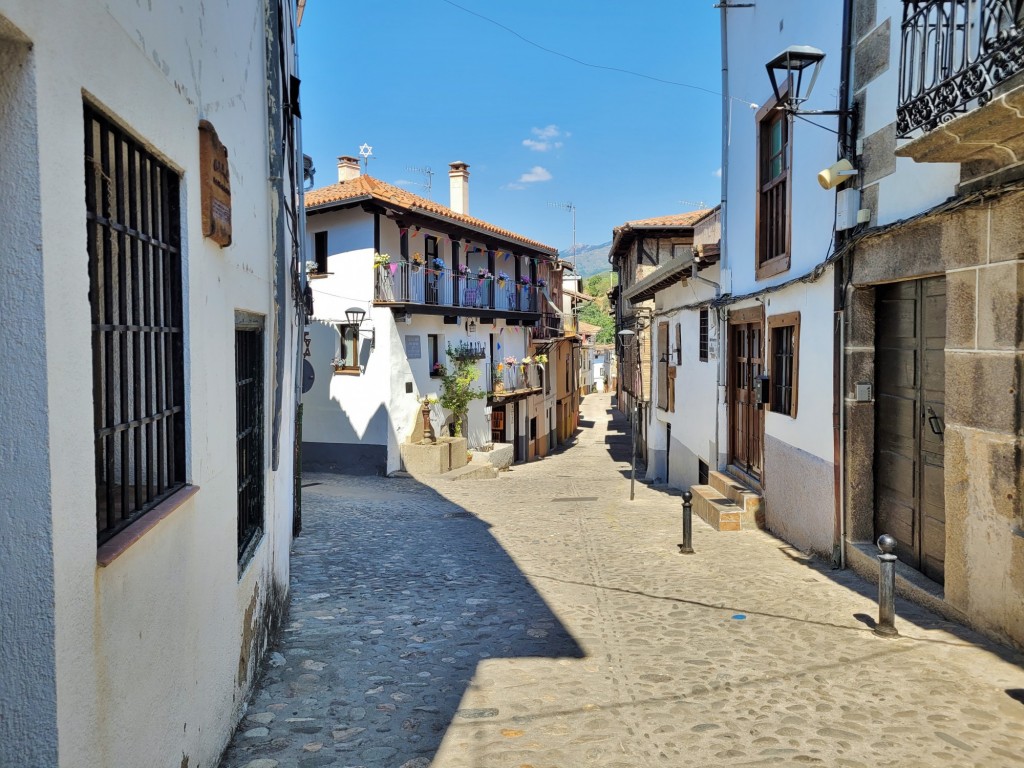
<point>847,129</point>
<point>723,218</point>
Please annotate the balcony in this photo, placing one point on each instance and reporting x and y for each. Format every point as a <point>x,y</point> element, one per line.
<point>513,381</point>
<point>958,63</point>
<point>554,325</point>
<point>421,290</point>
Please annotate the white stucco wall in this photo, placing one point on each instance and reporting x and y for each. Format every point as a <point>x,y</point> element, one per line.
<point>28,704</point>
<point>757,35</point>
<point>913,187</point>
<point>148,650</point>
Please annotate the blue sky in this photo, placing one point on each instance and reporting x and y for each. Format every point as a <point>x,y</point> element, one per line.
<point>425,83</point>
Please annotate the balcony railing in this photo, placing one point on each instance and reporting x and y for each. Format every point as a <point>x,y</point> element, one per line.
<point>517,377</point>
<point>404,283</point>
<point>953,53</point>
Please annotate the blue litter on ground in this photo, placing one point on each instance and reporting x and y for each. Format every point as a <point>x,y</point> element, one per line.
<point>740,616</point>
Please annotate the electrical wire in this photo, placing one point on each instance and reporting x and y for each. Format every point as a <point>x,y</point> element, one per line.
<point>573,59</point>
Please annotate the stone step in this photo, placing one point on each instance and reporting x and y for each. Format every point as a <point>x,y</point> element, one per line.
<point>720,512</point>
<point>475,470</point>
<point>738,493</point>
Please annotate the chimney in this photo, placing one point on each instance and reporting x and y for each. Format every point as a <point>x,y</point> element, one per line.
<point>348,168</point>
<point>458,177</point>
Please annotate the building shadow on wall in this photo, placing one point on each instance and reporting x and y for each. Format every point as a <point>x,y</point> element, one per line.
<point>396,595</point>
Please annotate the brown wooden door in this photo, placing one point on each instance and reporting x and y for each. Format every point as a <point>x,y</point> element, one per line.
<point>910,414</point>
<point>746,418</point>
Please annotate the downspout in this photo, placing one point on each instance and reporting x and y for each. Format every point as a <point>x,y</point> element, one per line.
<point>723,219</point>
<point>847,126</point>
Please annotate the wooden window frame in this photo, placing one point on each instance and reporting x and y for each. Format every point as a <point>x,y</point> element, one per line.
<point>662,362</point>
<point>433,354</point>
<point>348,370</point>
<point>704,330</point>
<point>320,251</point>
<point>777,322</point>
<point>766,116</point>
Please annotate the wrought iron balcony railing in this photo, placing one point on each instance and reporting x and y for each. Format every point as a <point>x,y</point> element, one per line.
<point>953,54</point>
<point>515,377</point>
<point>405,283</point>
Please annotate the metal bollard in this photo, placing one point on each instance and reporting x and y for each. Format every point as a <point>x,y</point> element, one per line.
<point>886,587</point>
<point>686,548</point>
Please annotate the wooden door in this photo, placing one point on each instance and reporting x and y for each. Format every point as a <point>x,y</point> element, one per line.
<point>745,416</point>
<point>910,420</point>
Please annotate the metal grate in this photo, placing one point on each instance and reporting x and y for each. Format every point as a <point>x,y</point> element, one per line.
<point>703,348</point>
<point>249,421</point>
<point>135,293</point>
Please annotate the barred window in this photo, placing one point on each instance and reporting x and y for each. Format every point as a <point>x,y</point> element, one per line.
<point>249,433</point>
<point>784,337</point>
<point>135,294</point>
<point>703,349</point>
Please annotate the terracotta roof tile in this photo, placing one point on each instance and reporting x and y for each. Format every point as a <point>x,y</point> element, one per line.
<point>672,220</point>
<point>367,186</point>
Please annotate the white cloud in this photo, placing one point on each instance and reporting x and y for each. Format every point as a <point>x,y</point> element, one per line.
<point>535,174</point>
<point>717,173</point>
<point>546,138</point>
<point>547,132</point>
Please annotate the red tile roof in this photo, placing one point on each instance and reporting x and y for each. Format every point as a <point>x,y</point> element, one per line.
<point>672,220</point>
<point>365,186</point>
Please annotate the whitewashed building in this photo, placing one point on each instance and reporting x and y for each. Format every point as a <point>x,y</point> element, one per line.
<point>150,181</point>
<point>777,434</point>
<point>398,279</point>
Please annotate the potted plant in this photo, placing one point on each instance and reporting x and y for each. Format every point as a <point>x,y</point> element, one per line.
<point>497,384</point>
<point>524,280</point>
<point>437,263</point>
<point>482,274</point>
<point>542,283</point>
<point>463,270</point>
<point>381,260</point>
<point>416,262</point>
<point>502,279</point>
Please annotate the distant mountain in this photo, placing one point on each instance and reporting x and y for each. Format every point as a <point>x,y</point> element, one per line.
<point>590,259</point>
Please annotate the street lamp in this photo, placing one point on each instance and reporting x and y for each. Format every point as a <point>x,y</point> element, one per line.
<point>629,338</point>
<point>355,316</point>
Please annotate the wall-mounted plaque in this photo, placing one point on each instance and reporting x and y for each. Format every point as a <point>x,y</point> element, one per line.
<point>215,185</point>
<point>412,347</point>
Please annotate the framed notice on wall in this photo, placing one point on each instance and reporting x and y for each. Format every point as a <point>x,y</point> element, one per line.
<point>214,185</point>
<point>412,347</point>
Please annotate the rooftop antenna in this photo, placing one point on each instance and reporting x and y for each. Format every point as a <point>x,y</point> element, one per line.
<point>365,152</point>
<point>571,208</point>
<point>428,173</point>
<point>690,204</point>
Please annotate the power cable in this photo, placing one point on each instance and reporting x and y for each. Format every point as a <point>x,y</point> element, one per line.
<point>573,59</point>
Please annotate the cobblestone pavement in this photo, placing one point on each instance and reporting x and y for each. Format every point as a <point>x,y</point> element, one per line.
<point>542,619</point>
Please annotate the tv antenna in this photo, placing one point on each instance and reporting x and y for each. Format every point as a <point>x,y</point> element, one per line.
<point>572,209</point>
<point>690,204</point>
<point>428,173</point>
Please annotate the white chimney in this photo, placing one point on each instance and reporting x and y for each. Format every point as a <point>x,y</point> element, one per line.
<point>458,177</point>
<point>348,168</point>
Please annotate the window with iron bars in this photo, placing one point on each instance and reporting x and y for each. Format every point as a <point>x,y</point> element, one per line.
<point>133,244</point>
<point>249,433</point>
<point>703,349</point>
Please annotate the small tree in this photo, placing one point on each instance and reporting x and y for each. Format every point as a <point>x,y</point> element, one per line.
<point>457,387</point>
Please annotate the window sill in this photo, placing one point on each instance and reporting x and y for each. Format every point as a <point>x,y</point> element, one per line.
<point>772,267</point>
<point>346,371</point>
<point>112,549</point>
<point>318,275</point>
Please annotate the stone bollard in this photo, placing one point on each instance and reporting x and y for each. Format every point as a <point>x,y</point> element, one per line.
<point>886,587</point>
<point>686,548</point>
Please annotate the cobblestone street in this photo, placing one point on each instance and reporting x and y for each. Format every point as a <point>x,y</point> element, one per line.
<point>542,619</point>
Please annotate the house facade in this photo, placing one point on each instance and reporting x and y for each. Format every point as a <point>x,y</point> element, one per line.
<point>639,253</point>
<point>151,182</point>
<point>778,434</point>
<point>934,286</point>
<point>399,283</point>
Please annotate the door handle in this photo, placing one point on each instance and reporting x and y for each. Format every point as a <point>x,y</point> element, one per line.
<point>935,423</point>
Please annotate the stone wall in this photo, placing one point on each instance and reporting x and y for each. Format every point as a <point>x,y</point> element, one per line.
<point>980,250</point>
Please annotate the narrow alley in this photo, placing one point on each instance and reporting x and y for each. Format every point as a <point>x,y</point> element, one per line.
<point>542,619</point>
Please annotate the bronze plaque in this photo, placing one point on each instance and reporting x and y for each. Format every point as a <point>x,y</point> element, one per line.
<point>215,183</point>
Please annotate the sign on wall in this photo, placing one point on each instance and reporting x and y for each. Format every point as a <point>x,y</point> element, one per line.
<point>412,347</point>
<point>215,185</point>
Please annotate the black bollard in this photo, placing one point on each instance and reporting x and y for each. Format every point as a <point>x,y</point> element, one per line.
<point>686,548</point>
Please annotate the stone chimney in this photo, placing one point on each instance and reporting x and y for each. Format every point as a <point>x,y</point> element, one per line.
<point>348,168</point>
<point>458,178</point>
